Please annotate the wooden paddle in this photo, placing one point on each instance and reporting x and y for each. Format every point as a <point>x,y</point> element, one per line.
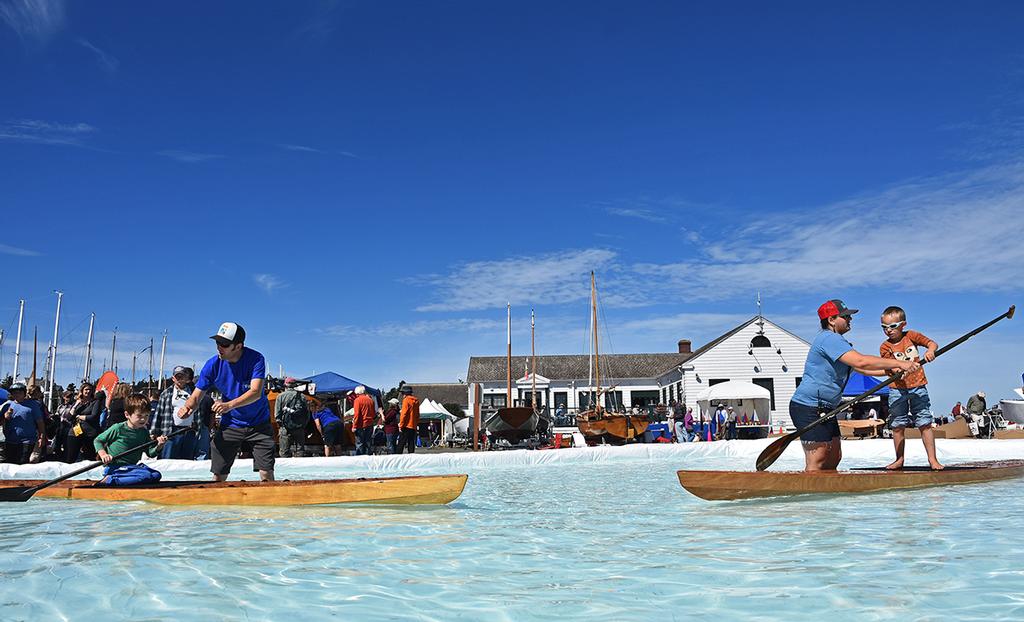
<point>24,493</point>
<point>772,452</point>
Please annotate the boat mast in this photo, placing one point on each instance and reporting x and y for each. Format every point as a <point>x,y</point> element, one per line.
<point>533,356</point>
<point>113,351</point>
<point>17,343</point>
<point>508,375</point>
<point>53,357</point>
<point>149,387</point>
<point>163,350</point>
<point>88,348</point>
<point>597,356</point>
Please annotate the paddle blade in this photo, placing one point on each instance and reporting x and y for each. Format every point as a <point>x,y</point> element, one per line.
<point>772,452</point>
<point>1009,314</point>
<point>16,493</point>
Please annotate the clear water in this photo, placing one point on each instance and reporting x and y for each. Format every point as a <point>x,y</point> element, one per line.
<point>612,541</point>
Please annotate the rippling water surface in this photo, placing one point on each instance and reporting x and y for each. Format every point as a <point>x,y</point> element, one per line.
<point>616,541</point>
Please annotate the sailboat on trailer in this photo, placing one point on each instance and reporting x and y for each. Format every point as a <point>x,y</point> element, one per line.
<point>596,424</point>
<point>513,423</point>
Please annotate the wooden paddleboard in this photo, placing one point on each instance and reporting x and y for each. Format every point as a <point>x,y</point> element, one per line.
<point>728,485</point>
<point>422,490</point>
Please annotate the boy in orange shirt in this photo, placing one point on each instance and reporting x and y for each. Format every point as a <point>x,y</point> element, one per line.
<point>909,403</point>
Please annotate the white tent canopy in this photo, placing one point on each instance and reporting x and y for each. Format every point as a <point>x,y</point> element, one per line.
<point>430,409</point>
<point>745,398</point>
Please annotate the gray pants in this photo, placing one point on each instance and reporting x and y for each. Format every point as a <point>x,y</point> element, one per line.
<point>291,442</point>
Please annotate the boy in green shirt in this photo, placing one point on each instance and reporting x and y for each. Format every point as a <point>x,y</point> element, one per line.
<point>134,431</point>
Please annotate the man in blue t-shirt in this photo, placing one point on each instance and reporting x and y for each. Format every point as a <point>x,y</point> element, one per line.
<point>237,373</point>
<point>24,425</point>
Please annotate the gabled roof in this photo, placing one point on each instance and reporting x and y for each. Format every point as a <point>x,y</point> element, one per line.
<point>445,393</point>
<point>575,366</point>
<point>714,342</point>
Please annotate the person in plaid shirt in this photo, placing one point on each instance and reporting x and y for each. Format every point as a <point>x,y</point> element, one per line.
<point>165,420</point>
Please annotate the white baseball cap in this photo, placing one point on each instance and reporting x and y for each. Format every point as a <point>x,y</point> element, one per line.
<point>231,332</point>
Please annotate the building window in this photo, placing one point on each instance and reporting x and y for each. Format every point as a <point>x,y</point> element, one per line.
<point>768,383</point>
<point>712,382</point>
<point>494,400</point>
<point>760,341</point>
<point>561,398</point>
<point>613,400</point>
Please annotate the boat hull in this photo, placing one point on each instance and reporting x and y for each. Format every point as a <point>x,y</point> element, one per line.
<point>610,428</point>
<point>729,485</point>
<point>514,423</point>
<point>1013,410</point>
<point>427,490</point>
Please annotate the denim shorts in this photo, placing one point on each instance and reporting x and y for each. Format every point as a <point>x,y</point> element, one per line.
<point>909,408</point>
<point>804,415</point>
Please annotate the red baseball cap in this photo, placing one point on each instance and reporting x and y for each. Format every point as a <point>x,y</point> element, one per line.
<point>835,307</point>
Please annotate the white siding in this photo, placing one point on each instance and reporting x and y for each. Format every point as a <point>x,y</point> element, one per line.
<point>730,360</point>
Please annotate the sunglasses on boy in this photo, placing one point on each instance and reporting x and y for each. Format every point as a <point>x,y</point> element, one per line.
<point>892,326</point>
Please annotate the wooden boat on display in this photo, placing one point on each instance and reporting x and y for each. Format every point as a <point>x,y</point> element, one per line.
<point>421,490</point>
<point>860,428</point>
<point>597,425</point>
<point>730,485</point>
<point>512,423</point>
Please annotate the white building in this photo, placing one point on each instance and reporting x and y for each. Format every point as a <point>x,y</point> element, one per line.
<point>757,351</point>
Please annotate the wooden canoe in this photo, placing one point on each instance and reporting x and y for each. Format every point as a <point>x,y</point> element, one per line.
<point>423,490</point>
<point>727,485</point>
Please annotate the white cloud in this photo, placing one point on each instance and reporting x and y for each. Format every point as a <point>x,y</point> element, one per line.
<point>33,20</point>
<point>45,132</point>
<point>549,279</point>
<point>107,62</point>
<point>21,252</point>
<point>399,330</point>
<point>636,212</point>
<point>945,234</point>
<point>268,282</point>
<point>300,148</point>
<point>189,157</point>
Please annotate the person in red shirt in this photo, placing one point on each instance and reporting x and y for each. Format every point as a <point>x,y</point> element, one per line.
<point>364,415</point>
<point>909,403</point>
<point>408,421</point>
<point>391,425</point>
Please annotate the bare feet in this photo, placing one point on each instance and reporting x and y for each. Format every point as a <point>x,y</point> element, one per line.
<point>897,465</point>
<point>936,466</point>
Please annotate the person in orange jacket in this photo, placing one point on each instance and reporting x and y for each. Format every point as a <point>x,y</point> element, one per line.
<point>364,415</point>
<point>408,421</point>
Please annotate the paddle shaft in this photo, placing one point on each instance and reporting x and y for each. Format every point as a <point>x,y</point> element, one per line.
<point>773,451</point>
<point>31,491</point>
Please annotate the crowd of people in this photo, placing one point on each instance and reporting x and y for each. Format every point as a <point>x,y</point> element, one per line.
<point>219,414</point>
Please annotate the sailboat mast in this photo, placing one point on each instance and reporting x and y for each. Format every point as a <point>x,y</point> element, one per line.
<point>88,348</point>
<point>163,350</point>
<point>53,359</point>
<point>17,343</point>
<point>508,375</point>
<point>597,356</point>
<point>533,356</point>
<point>113,352</point>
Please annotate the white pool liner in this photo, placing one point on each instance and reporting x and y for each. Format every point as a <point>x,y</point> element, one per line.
<point>738,455</point>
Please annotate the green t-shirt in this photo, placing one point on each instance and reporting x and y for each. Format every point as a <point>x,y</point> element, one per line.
<point>119,437</point>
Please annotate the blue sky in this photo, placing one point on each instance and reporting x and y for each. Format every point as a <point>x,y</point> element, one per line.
<point>363,185</point>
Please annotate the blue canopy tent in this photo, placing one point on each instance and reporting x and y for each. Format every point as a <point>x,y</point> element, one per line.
<point>330,382</point>
<point>860,383</point>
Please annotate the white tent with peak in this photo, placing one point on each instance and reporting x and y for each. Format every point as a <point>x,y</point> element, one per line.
<point>745,398</point>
